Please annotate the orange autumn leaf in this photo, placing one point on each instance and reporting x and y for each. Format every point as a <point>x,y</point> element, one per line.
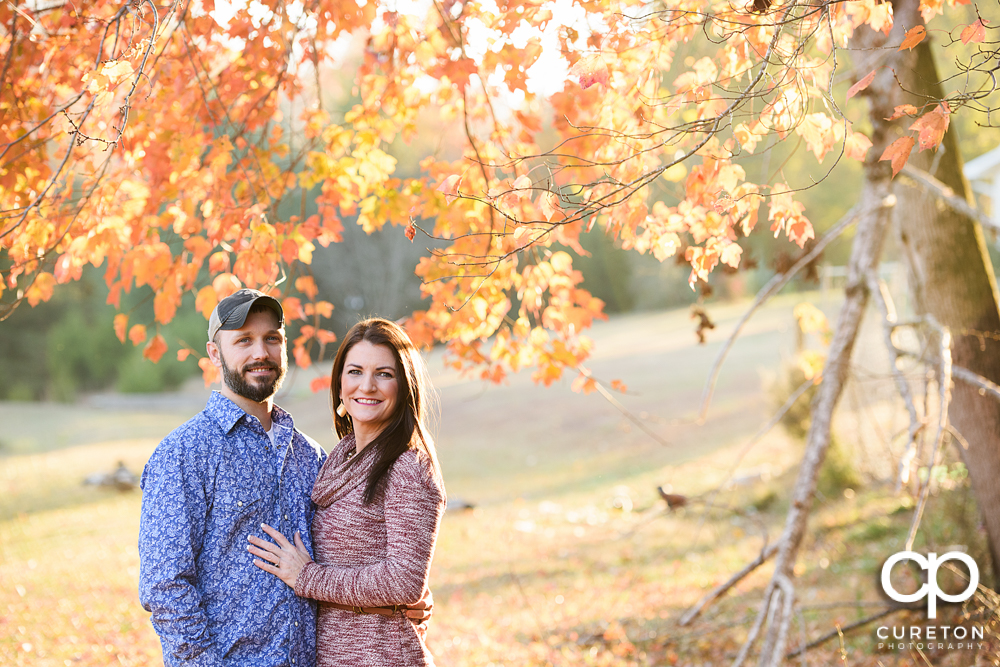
<point>902,110</point>
<point>862,84</point>
<point>618,385</point>
<point>137,334</point>
<point>206,301</point>
<point>183,354</point>
<point>321,383</point>
<point>974,32</point>
<point>449,187</point>
<point>307,285</point>
<point>857,146</point>
<point>913,37</point>
<point>932,126</point>
<point>155,348</point>
<point>120,322</point>
<point>898,152</point>
<point>209,372</point>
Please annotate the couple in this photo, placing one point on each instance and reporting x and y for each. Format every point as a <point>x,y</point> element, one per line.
<point>236,500</point>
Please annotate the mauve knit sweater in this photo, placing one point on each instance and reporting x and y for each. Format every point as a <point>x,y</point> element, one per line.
<point>371,555</point>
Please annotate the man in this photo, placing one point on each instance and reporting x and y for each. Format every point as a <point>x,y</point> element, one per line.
<point>211,483</point>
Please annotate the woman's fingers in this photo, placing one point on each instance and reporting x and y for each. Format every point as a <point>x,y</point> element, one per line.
<point>276,536</point>
<point>268,556</point>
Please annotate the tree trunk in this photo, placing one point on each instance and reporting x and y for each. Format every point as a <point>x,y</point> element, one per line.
<point>952,279</point>
<point>877,204</point>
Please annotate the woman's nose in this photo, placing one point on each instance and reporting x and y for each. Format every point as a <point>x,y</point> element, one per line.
<point>368,383</point>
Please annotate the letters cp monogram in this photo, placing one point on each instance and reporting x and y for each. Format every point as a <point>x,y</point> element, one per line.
<point>931,589</point>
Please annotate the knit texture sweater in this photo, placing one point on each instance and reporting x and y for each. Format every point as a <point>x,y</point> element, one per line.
<point>371,555</point>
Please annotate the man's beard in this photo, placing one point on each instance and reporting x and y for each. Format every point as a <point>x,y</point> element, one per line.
<point>256,392</point>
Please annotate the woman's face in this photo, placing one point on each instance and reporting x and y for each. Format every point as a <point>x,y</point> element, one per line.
<point>369,386</point>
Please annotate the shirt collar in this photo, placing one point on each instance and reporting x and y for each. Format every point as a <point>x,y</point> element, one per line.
<point>226,413</point>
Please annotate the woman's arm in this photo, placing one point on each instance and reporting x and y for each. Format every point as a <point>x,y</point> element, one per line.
<point>414,505</point>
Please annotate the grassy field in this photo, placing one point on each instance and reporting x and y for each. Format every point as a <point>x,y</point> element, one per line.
<point>569,557</point>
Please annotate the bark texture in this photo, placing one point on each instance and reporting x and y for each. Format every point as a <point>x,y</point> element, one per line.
<point>951,278</point>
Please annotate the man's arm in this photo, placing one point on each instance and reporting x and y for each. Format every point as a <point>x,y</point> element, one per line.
<point>171,529</point>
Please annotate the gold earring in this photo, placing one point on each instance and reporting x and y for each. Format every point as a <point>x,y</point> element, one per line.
<point>342,409</point>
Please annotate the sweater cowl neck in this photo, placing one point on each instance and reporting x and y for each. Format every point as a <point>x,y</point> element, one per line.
<point>338,477</point>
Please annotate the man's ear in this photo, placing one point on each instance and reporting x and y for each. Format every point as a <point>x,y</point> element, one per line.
<point>213,354</point>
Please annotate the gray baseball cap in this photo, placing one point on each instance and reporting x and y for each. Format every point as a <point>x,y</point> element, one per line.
<point>232,311</point>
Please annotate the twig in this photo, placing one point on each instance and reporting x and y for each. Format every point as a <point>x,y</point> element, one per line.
<point>772,287</point>
<point>755,630</point>
<point>723,588</point>
<point>944,384</point>
<point>879,292</point>
<point>976,380</point>
<point>621,408</point>
<point>847,628</point>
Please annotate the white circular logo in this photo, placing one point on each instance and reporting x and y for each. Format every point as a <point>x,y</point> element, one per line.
<point>930,590</point>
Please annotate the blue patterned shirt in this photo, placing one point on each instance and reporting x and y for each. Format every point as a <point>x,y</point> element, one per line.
<point>209,485</point>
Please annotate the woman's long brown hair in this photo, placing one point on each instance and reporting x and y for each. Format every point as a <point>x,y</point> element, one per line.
<point>407,427</point>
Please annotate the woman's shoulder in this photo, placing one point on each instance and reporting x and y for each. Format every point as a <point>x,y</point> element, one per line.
<point>414,466</point>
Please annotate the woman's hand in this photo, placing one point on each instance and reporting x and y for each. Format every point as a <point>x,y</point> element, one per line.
<point>283,559</point>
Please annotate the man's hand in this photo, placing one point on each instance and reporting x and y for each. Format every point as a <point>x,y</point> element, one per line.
<point>421,611</point>
<point>283,559</point>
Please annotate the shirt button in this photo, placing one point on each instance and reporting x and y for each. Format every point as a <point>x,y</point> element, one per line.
<point>296,624</point>
<point>239,503</point>
<point>286,517</point>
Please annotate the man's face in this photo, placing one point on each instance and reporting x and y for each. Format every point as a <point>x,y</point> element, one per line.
<point>253,358</point>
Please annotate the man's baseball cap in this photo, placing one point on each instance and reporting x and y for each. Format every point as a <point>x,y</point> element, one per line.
<point>232,311</point>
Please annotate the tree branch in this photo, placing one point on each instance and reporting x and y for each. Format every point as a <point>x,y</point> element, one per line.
<point>770,289</point>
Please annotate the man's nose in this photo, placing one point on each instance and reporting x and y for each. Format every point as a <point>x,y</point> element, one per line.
<point>259,350</point>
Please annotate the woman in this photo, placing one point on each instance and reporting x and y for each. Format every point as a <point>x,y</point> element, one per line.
<point>379,500</point>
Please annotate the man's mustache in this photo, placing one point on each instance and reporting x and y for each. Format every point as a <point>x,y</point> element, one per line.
<point>262,366</point>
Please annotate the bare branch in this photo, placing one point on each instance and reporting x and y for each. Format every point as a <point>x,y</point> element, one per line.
<point>770,289</point>
<point>976,380</point>
<point>724,587</point>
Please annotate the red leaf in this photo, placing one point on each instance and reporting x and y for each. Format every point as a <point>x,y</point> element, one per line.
<point>861,85</point>
<point>590,69</point>
<point>410,232</point>
<point>913,37</point>
<point>899,152</point>
<point>975,32</point>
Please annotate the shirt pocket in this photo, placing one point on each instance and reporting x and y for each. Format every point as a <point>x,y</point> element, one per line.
<point>238,510</point>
